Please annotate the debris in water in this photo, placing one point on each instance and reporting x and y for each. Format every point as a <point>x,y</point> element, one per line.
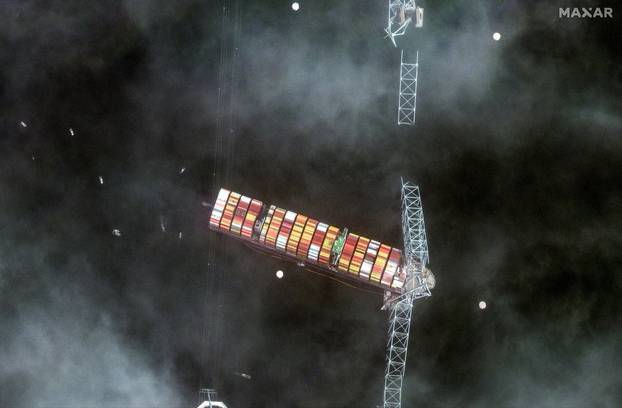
<point>180,235</point>
<point>101,180</point>
<point>205,204</point>
<point>182,170</point>
<point>116,232</point>
<point>33,157</point>
<point>71,132</point>
<point>243,375</point>
<point>162,223</point>
<point>24,125</point>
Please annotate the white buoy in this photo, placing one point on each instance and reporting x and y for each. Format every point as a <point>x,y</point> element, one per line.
<point>482,305</point>
<point>279,274</point>
<point>496,36</point>
<point>295,6</point>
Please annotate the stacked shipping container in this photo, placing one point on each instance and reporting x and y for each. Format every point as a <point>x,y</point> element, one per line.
<point>307,240</point>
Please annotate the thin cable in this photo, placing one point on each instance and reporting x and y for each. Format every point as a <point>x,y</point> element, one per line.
<point>233,73</point>
<point>221,168</point>
<point>210,337</point>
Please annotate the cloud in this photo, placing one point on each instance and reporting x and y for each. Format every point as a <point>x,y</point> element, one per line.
<point>60,348</point>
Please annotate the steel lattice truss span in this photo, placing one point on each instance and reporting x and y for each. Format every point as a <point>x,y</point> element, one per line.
<point>407,103</point>
<point>397,350</point>
<point>419,281</point>
<point>415,242</point>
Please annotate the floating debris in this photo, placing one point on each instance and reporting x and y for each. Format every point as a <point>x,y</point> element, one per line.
<point>116,232</point>
<point>243,375</point>
<point>162,223</point>
<point>183,169</point>
<point>180,235</point>
<point>71,132</point>
<point>24,125</point>
<point>101,180</point>
<point>33,157</point>
<point>205,204</point>
<point>482,305</point>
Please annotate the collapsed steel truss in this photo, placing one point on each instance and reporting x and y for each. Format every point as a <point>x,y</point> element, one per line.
<point>398,22</point>
<point>415,260</point>
<point>407,102</point>
<point>413,226</point>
